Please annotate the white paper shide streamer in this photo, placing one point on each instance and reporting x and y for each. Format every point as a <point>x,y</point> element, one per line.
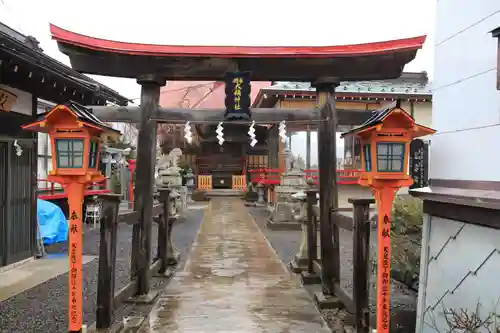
<point>251,134</point>
<point>220,133</point>
<point>188,135</point>
<point>19,150</point>
<point>282,131</point>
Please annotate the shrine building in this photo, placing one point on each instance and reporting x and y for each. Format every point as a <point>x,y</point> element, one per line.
<point>206,157</point>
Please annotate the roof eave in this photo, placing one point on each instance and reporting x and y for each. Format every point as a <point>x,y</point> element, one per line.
<point>58,68</point>
<point>495,32</point>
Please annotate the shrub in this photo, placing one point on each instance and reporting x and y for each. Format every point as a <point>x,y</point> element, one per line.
<point>199,196</point>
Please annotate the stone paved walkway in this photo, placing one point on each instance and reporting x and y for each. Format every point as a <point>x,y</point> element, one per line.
<point>233,281</point>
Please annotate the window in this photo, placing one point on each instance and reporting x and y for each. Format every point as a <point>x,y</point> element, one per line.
<point>390,156</point>
<point>368,157</point>
<point>69,153</point>
<point>94,146</point>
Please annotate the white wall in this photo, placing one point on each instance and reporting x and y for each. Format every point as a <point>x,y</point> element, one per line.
<point>460,262</point>
<point>466,104</point>
<point>463,265</point>
<point>422,113</point>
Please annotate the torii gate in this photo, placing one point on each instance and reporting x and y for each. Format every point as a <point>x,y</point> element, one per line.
<point>153,65</point>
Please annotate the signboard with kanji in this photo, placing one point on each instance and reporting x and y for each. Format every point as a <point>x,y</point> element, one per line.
<point>238,95</point>
<point>419,163</point>
<point>7,100</point>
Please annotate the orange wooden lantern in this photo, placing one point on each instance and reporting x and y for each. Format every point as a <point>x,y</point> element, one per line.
<point>75,137</point>
<point>385,139</point>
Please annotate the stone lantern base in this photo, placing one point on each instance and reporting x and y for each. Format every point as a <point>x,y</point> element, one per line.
<point>282,214</point>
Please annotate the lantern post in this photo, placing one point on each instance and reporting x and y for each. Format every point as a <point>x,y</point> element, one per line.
<point>385,139</point>
<point>75,139</point>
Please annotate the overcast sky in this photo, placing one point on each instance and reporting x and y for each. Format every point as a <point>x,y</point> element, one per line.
<point>201,22</point>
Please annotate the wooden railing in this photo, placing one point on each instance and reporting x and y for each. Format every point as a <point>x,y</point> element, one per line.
<point>239,182</point>
<point>356,304</point>
<point>204,182</point>
<point>107,298</point>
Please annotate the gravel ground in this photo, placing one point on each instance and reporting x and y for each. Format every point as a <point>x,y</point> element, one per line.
<point>285,242</point>
<point>43,308</point>
<point>403,300</point>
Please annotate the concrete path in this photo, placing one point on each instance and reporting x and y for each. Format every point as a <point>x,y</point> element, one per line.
<point>233,281</point>
<point>33,273</point>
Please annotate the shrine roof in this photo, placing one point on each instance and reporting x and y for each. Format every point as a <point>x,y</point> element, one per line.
<point>23,58</point>
<point>368,61</point>
<point>394,86</point>
<point>413,86</point>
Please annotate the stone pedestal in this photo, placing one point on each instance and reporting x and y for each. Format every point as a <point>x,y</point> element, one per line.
<point>300,261</point>
<point>190,186</point>
<point>169,176</point>
<point>173,253</point>
<point>282,214</point>
<point>260,193</point>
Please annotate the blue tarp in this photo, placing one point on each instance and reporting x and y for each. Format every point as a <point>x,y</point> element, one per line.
<point>52,222</point>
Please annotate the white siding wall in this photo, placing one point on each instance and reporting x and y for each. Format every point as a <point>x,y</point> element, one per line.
<point>466,104</point>
<point>463,266</point>
<point>463,263</point>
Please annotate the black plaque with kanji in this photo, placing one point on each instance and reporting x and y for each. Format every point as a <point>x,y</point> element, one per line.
<point>419,163</point>
<point>238,96</point>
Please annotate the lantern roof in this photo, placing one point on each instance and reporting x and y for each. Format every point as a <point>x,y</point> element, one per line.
<point>80,112</point>
<point>380,115</point>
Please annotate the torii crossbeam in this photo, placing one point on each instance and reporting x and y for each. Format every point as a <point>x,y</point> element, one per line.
<point>132,114</point>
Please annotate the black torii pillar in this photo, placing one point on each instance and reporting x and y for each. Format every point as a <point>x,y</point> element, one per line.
<point>328,191</point>
<point>144,183</point>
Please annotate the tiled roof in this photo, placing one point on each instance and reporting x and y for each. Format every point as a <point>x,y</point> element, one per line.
<point>408,83</point>
<point>27,48</point>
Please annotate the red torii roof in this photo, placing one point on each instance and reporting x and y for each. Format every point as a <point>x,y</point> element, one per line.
<point>87,55</point>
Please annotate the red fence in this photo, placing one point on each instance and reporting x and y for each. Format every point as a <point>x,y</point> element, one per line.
<point>344,177</point>
<point>273,176</point>
<point>265,176</point>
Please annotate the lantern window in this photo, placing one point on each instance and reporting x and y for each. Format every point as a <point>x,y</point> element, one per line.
<point>93,152</point>
<point>368,157</point>
<point>69,153</point>
<point>390,156</point>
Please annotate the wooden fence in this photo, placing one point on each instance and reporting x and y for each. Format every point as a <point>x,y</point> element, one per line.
<point>239,182</point>
<point>204,182</point>
<point>357,304</point>
<point>107,299</point>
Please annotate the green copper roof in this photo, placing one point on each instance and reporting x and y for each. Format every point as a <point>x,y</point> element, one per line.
<point>408,83</point>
